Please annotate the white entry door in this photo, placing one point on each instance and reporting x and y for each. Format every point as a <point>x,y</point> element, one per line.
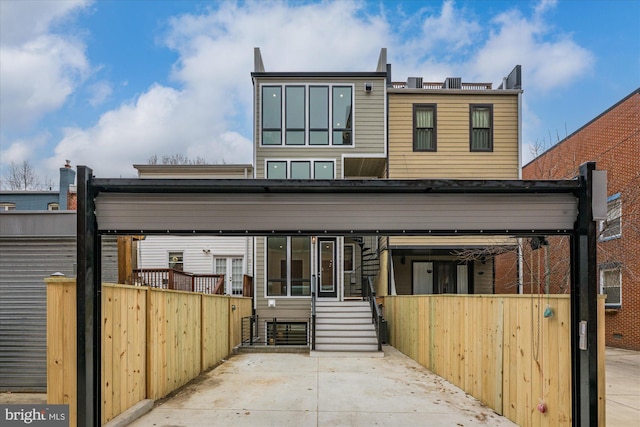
<point>231,267</point>
<point>422,278</point>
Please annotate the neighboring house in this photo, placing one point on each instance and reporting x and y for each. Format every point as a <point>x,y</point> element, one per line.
<point>231,256</point>
<point>612,140</point>
<point>37,239</point>
<point>51,200</point>
<point>450,130</point>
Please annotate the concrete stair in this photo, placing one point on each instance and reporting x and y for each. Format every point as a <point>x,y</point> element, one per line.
<point>345,326</point>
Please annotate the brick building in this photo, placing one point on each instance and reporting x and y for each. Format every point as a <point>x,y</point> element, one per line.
<point>612,140</point>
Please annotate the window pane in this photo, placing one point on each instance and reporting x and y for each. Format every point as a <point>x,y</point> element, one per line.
<point>276,266</point>
<point>611,286</point>
<point>300,266</point>
<point>612,225</point>
<point>271,107</point>
<point>319,107</point>
<point>342,137</point>
<point>295,107</point>
<point>481,128</point>
<point>480,139</point>
<point>319,137</point>
<point>300,170</point>
<point>295,137</point>
<point>424,139</point>
<point>341,107</point>
<point>176,260</point>
<point>277,170</point>
<point>271,137</point>
<point>424,118</point>
<point>323,170</point>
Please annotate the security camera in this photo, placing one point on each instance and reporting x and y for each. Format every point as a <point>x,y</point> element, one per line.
<point>368,87</point>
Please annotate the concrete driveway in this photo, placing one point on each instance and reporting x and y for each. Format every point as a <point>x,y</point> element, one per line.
<point>262,389</point>
<point>623,387</point>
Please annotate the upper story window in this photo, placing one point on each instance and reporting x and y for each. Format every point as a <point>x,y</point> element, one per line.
<point>481,127</point>
<point>313,115</point>
<point>271,115</point>
<point>7,206</point>
<point>53,207</point>
<point>300,169</point>
<point>612,227</point>
<point>424,127</point>
<point>176,260</point>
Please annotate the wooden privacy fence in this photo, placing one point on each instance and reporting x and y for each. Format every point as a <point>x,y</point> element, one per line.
<point>153,341</point>
<point>500,349</point>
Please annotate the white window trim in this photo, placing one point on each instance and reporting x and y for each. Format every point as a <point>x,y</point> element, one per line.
<point>330,85</point>
<point>289,161</point>
<point>266,277</point>
<point>602,292</point>
<point>602,223</point>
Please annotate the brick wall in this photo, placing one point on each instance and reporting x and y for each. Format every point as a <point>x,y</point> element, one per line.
<point>612,140</point>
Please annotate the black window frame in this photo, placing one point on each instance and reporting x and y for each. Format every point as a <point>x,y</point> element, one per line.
<point>472,108</point>
<point>433,108</point>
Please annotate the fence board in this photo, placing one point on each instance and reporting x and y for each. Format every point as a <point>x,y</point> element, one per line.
<point>152,342</point>
<point>485,345</point>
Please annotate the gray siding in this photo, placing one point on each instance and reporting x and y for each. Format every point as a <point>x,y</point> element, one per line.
<point>369,121</point>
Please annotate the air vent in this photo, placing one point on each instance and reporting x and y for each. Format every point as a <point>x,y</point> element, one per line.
<point>452,83</point>
<point>414,83</point>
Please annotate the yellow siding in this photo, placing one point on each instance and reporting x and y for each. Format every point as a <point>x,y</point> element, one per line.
<point>453,159</point>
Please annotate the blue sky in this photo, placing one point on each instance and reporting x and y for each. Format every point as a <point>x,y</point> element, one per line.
<point>108,84</point>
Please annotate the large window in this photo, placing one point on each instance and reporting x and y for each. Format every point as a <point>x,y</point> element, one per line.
<point>313,115</point>
<point>7,206</point>
<point>612,227</point>
<point>611,285</point>
<point>481,127</point>
<point>341,115</point>
<point>271,115</point>
<point>294,117</point>
<point>424,127</point>
<point>288,266</point>
<point>300,169</point>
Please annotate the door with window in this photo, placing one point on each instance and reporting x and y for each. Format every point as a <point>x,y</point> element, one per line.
<point>327,277</point>
<point>231,267</point>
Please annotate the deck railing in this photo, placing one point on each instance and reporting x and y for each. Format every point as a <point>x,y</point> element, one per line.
<point>170,278</point>
<point>441,86</point>
<point>271,331</point>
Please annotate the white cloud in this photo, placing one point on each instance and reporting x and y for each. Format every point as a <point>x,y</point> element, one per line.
<point>548,60</point>
<point>99,92</point>
<point>208,113</point>
<point>38,69</point>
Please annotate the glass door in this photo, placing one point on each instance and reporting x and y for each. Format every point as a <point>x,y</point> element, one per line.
<point>327,268</point>
<point>232,269</point>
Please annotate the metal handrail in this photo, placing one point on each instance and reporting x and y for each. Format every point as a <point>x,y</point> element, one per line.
<point>313,312</point>
<point>376,316</point>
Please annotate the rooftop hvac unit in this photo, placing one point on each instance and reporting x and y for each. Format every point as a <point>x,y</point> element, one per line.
<point>414,83</point>
<point>452,83</point>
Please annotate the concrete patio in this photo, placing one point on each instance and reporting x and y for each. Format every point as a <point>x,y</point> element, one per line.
<point>279,389</point>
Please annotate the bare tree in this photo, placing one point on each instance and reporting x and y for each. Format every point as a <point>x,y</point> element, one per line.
<point>176,159</point>
<point>22,176</point>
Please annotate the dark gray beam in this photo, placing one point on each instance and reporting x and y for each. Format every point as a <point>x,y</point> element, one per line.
<point>584,308</point>
<point>88,305</point>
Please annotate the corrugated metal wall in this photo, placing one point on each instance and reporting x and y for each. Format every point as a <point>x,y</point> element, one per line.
<point>32,247</point>
<point>24,263</point>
